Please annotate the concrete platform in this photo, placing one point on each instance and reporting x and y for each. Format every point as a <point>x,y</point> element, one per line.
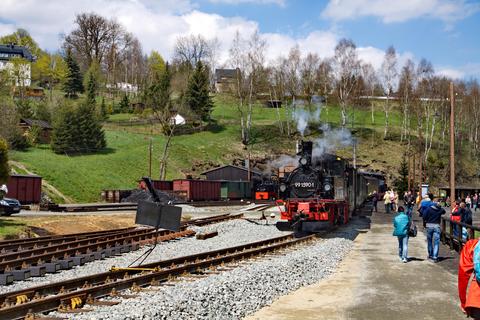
<point>372,283</point>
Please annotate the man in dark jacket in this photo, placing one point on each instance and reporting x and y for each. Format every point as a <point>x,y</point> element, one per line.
<point>432,216</point>
<point>409,202</point>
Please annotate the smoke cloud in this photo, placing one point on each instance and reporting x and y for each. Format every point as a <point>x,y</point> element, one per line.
<point>331,140</point>
<point>302,117</point>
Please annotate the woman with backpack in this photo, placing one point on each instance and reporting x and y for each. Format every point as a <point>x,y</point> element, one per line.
<point>401,225</point>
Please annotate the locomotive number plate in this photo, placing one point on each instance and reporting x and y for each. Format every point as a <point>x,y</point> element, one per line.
<point>304,184</point>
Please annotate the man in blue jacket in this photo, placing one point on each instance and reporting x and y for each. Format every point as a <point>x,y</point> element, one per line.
<point>431,220</point>
<point>401,224</point>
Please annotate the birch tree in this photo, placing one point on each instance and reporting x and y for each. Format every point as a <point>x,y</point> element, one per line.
<point>248,58</point>
<point>406,89</point>
<point>371,80</point>
<point>389,79</point>
<point>346,70</point>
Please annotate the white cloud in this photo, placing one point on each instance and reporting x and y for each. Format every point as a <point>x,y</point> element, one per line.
<point>157,27</point>
<point>236,2</point>
<point>451,73</point>
<point>399,11</point>
<point>469,70</point>
<point>375,56</point>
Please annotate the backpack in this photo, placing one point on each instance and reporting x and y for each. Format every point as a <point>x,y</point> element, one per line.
<point>476,261</point>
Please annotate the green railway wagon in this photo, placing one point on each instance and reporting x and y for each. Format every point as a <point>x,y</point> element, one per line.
<point>235,190</point>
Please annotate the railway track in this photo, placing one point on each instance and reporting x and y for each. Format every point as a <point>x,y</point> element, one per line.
<point>69,296</point>
<point>28,258</point>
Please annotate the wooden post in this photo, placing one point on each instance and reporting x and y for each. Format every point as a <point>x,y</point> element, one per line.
<point>408,188</point>
<point>150,147</point>
<point>452,146</point>
<point>413,176</point>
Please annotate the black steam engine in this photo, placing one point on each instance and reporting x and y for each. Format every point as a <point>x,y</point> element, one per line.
<point>314,196</point>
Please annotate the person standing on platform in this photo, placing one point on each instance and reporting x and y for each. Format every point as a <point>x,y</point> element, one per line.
<point>456,217</point>
<point>465,217</point>
<point>375,200</point>
<point>475,201</point>
<point>469,264</point>
<point>468,201</point>
<point>426,202</point>
<point>401,225</point>
<point>431,218</point>
<point>409,202</point>
<point>387,201</point>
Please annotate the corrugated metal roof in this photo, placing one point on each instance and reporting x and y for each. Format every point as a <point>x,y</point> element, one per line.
<point>41,123</point>
<point>236,167</point>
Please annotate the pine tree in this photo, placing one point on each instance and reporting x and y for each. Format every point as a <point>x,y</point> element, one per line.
<point>401,183</point>
<point>197,95</point>
<point>74,82</point>
<point>103,110</point>
<point>124,104</point>
<point>64,139</point>
<point>4,168</point>
<point>91,90</point>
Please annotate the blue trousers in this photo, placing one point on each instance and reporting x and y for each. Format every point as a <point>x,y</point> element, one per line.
<point>403,247</point>
<point>433,233</point>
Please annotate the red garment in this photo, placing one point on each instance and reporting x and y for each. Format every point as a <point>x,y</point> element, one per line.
<point>465,270</point>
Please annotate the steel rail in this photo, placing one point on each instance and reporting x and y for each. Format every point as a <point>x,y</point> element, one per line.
<point>51,297</point>
<point>38,256</point>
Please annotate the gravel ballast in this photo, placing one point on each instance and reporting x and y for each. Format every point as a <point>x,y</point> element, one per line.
<point>236,293</point>
<point>230,233</point>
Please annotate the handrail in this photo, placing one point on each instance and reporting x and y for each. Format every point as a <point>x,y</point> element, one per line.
<point>456,242</point>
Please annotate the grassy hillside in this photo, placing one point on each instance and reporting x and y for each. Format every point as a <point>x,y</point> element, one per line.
<point>82,177</point>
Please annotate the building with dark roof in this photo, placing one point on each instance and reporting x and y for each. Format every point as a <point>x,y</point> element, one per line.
<point>225,79</point>
<point>10,52</point>
<point>45,128</point>
<point>231,173</point>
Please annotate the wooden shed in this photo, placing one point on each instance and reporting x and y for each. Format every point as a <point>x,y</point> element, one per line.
<point>231,173</point>
<point>45,128</point>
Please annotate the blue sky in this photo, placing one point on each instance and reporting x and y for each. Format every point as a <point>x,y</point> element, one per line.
<point>442,31</point>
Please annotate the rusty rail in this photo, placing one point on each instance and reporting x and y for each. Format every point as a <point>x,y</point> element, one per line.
<point>66,249</point>
<point>52,296</point>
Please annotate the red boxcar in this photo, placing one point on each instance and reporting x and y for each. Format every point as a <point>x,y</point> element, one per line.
<point>164,185</point>
<point>25,188</point>
<point>197,190</point>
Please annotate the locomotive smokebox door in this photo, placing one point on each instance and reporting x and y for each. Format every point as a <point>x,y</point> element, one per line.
<point>158,215</point>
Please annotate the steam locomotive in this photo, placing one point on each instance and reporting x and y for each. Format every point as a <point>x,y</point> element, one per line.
<point>320,193</point>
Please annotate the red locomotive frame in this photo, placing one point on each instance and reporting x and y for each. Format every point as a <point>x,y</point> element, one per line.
<point>330,211</point>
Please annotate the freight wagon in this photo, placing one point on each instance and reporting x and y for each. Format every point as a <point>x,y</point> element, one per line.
<point>235,190</point>
<point>25,188</point>
<point>197,190</point>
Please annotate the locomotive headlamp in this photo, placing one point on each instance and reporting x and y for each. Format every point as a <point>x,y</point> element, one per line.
<point>327,187</point>
<point>283,187</point>
<point>303,161</point>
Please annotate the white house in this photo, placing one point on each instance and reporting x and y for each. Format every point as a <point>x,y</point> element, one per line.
<point>124,87</point>
<point>22,73</point>
<point>177,120</point>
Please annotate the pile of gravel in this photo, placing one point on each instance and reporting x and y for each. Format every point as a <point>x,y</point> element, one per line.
<point>230,233</point>
<point>236,293</point>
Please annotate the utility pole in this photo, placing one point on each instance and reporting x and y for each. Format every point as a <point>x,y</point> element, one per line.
<point>150,147</point>
<point>413,178</point>
<point>420,159</point>
<point>408,181</point>
<point>452,146</point>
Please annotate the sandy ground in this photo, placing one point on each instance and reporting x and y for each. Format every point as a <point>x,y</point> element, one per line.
<point>45,222</point>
